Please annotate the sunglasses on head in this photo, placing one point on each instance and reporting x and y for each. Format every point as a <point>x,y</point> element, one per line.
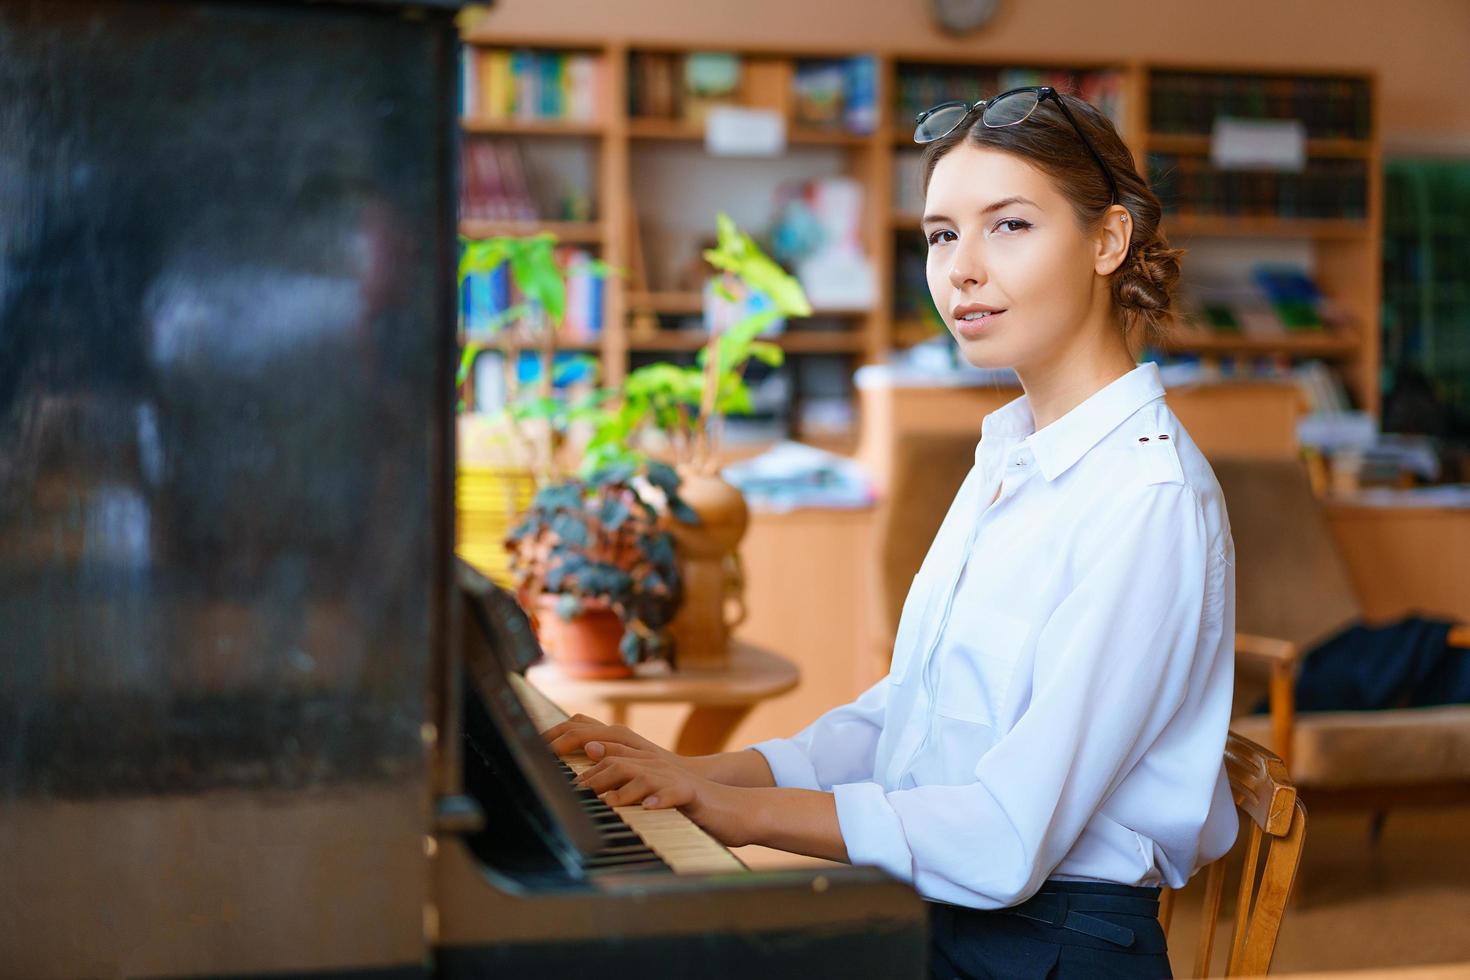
<point>1006,109</point>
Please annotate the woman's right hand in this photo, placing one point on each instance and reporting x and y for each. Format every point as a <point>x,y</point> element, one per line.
<point>581,733</point>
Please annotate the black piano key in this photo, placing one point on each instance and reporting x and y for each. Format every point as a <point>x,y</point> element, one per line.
<point>624,850</point>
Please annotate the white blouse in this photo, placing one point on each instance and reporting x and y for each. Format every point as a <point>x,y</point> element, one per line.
<point>1057,706</point>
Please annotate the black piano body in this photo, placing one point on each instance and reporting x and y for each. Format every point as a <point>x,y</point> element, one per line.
<point>232,637</point>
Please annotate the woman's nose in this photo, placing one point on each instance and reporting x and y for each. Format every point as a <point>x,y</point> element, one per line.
<point>966,268</point>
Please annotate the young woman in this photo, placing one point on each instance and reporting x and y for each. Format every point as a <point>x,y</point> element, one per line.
<point>1046,750</point>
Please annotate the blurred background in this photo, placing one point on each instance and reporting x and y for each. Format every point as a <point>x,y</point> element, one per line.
<point>1319,176</point>
<point>300,300</point>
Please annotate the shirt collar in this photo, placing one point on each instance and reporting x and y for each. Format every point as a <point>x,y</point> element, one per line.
<point>1065,441</point>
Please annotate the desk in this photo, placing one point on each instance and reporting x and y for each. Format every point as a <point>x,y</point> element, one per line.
<point>719,700</point>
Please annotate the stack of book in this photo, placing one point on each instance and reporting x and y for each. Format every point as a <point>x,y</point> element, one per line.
<point>494,184</point>
<point>1329,108</point>
<point>837,94</point>
<point>1326,188</point>
<point>1275,300</point>
<point>655,85</point>
<point>498,84</point>
<point>485,296</point>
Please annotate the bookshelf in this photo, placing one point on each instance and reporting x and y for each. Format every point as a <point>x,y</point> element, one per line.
<point>643,125</point>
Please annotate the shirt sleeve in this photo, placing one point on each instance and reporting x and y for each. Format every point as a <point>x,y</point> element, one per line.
<point>839,747</point>
<point>1113,664</point>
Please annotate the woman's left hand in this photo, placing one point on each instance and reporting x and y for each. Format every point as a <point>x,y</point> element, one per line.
<point>627,780</point>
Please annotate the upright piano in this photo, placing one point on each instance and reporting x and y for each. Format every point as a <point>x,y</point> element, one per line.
<point>254,719</point>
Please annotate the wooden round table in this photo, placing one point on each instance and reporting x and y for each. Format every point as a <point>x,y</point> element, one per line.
<point>719,700</point>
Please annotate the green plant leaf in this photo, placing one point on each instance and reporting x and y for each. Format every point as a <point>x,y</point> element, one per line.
<point>768,353</point>
<point>569,607</point>
<point>663,476</point>
<point>628,648</point>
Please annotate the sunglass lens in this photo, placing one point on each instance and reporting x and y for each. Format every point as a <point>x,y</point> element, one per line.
<point>939,123</point>
<point>1009,110</point>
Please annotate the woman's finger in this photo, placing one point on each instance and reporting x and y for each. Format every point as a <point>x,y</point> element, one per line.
<point>609,778</point>
<point>576,737</point>
<point>631,792</point>
<point>573,739</point>
<point>673,795</point>
<point>601,750</point>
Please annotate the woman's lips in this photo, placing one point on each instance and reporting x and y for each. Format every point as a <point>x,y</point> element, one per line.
<point>974,329</point>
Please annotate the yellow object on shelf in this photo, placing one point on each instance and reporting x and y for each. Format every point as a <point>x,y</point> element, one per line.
<point>487,500</point>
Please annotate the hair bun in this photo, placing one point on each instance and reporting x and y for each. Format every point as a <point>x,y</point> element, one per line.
<point>1147,280</point>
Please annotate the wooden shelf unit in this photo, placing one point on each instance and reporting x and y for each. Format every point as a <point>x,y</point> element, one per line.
<point>1347,251</point>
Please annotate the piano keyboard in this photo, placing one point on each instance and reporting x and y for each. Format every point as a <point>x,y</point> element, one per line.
<point>676,840</point>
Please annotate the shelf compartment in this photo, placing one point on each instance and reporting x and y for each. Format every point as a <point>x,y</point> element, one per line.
<point>1244,226</point>
<point>792,341</point>
<point>683,303</point>
<point>1327,344</point>
<point>532,127</point>
<point>570,232</point>
<point>1200,145</point>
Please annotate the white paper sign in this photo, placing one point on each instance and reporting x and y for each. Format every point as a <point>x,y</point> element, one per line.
<point>735,132</point>
<point>1258,144</point>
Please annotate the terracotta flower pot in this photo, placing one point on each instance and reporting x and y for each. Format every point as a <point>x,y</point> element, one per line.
<point>586,645</point>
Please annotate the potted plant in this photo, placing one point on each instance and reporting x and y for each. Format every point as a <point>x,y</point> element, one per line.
<point>505,456</point>
<point>686,404</point>
<point>594,561</point>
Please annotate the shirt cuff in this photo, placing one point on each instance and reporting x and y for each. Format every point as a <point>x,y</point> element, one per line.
<point>871,829</point>
<point>789,765</point>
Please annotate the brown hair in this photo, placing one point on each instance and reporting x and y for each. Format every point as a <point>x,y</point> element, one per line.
<point>1144,284</point>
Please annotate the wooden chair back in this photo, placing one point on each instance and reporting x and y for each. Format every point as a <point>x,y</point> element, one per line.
<point>1278,822</point>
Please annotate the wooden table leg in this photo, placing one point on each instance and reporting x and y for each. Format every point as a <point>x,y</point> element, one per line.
<point>708,727</point>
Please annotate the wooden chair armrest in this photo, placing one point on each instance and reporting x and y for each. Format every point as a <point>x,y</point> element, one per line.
<point>1267,649</point>
<point>1282,657</point>
<point>1460,636</point>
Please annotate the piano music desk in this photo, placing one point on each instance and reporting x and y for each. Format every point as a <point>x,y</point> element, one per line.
<point>718,700</point>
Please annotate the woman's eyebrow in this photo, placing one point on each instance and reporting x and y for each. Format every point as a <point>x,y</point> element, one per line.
<point>1004,202</point>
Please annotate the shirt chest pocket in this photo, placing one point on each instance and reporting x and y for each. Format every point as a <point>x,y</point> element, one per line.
<point>980,648</point>
<point>980,652</point>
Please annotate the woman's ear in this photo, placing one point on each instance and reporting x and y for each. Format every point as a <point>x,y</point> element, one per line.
<point>1113,236</point>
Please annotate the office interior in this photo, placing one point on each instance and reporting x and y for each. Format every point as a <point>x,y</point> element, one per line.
<point>305,306</point>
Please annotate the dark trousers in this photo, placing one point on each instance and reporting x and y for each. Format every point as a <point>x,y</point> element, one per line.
<point>1067,929</point>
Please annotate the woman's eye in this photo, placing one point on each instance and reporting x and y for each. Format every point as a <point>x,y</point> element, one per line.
<point>1018,224</point>
<point>934,235</point>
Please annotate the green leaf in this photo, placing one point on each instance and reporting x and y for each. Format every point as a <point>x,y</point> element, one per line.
<point>768,353</point>
<point>569,607</point>
<point>558,496</point>
<point>608,475</point>
<point>683,512</point>
<point>663,476</point>
<point>628,648</point>
<point>614,514</point>
<point>538,407</point>
<point>571,530</point>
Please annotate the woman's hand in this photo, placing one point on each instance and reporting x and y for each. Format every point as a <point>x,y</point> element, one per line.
<point>634,776</point>
<point>574,734</point>
<point>580,733</point>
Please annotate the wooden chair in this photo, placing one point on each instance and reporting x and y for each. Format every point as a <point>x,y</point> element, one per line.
<point>1278,822</point>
